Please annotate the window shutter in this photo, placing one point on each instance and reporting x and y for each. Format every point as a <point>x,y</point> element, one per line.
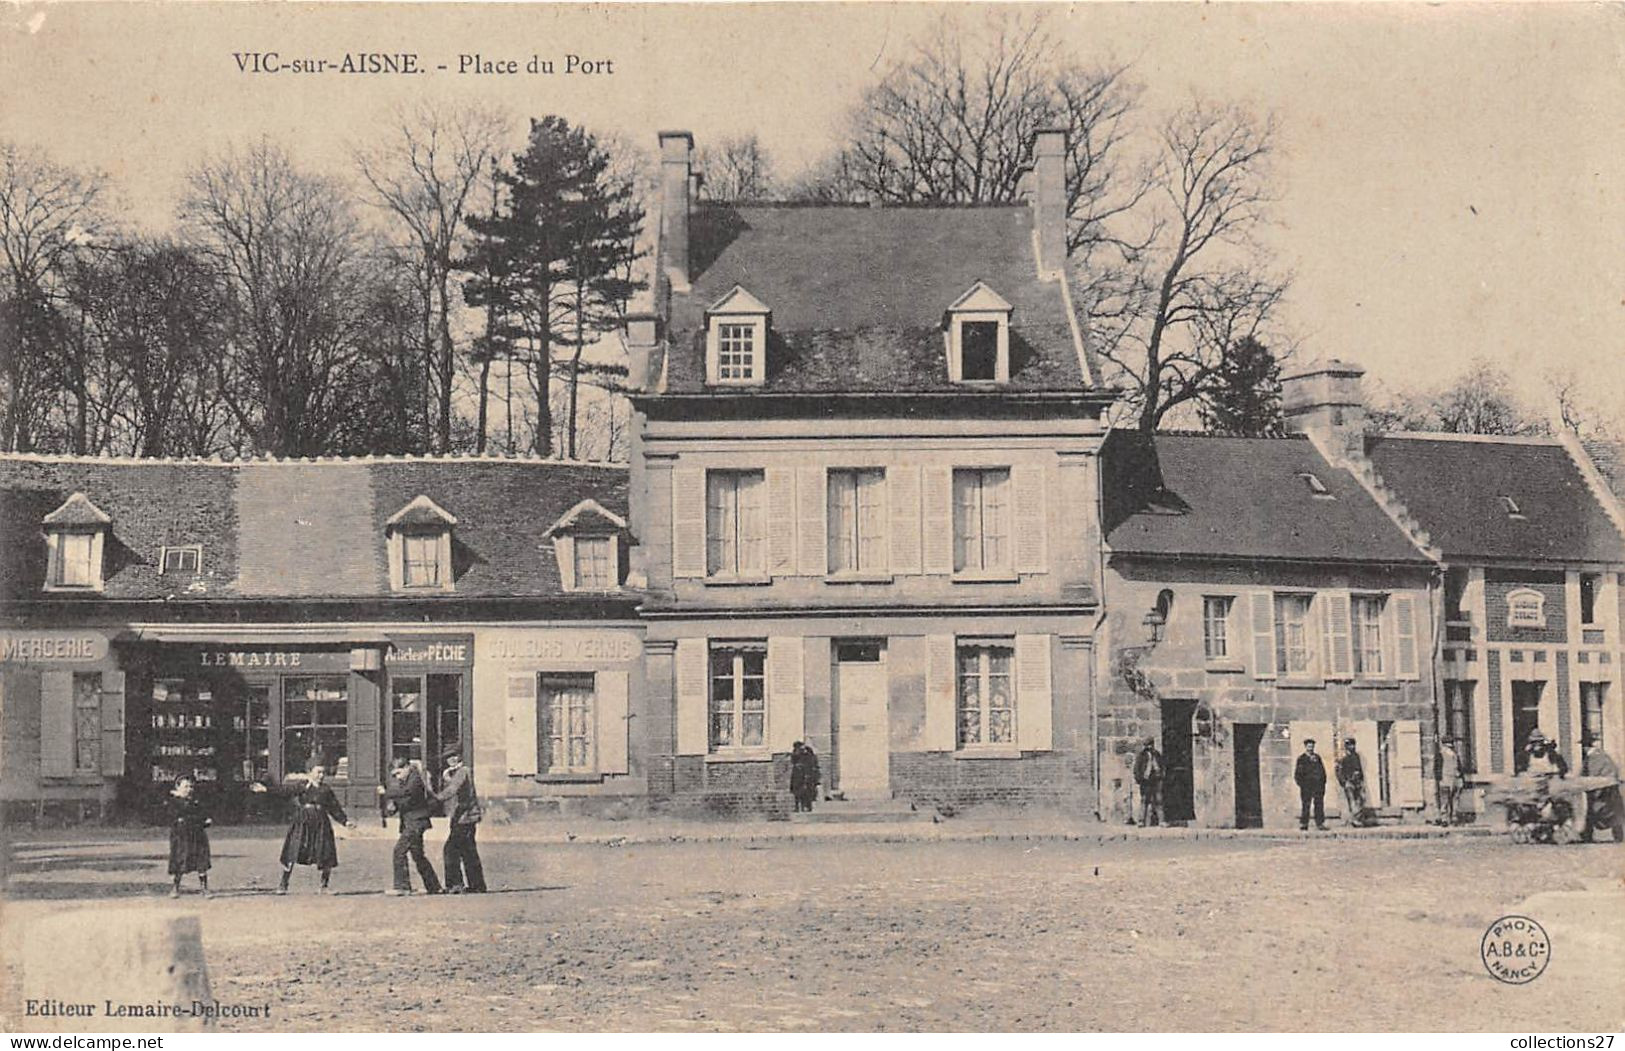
<point>1406,762</point>
<point>1405,659</point>
<point>1337,635</point>
<point>113,724</point>
<point>903,485</point>
<point>784,692</point>
<point>781,520</point>
<point>1035,695</point>
<point>395,546</point>
<point>610,692</point>
<point>937,519</point>
<point>366,738</point>
<point>941,703</point>
<point>1263,624</point>
<point>565,548</point>
<point>693,670</point>
<point>688,522</point>
<point>56,724</point>
<point>522,743</point>
<point>1032,523</point>
<point>811,511</point>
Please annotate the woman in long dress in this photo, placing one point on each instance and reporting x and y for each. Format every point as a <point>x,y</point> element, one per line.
<point>310,836</point>
<point>188,836</point>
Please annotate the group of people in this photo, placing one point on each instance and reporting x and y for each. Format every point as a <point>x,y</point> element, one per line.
<point>310,840</point>
<point>1309,774</point>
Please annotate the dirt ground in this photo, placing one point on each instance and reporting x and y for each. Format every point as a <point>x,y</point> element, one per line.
<point>1042,935</point>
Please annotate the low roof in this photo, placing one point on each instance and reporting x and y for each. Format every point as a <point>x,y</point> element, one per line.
<point>1454,486</point>
<point>1204,496</point>
<point>858,295</point>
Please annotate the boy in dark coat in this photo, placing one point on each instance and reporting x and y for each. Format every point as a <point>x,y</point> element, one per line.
<point>411,798</point>
<point>804,775</point>
<point>461,856</point>
<point>1310,774</point>
<point>188,836</point>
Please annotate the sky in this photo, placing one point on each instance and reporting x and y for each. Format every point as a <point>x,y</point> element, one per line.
<point>1451,177</point>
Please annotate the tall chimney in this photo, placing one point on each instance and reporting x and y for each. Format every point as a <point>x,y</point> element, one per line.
<point>1048,197</point>
<point>1324,398</point>
<point>676,187</point>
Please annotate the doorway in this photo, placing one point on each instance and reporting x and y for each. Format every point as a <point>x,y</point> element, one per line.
<point>425,716</point>
<point>1178,783</point>
<point>1248,737</point>
<point>1525,717</point>
<point>862,723</point>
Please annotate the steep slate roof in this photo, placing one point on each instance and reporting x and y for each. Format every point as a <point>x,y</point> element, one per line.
<point>1609,458</point>
<point>273,531</point>
<point>1453,486</point>
<point>1211,497</point>
<point>858,294</point>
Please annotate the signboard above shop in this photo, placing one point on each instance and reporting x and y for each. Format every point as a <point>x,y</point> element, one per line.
<point>53,647</point>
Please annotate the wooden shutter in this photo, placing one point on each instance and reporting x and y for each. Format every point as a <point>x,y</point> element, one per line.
<point>522,742</point>
<point>1364,732</point>
<point>609,698</point>
<point>1405,763</point>
<point>56,724</point>
<point>812,498</point>
<point>366,735</point>
<point>1263,628</point>
<point>113,724</point>
<point>781,521</point>
<point>903,485</point>
<point>1405,658</point>
<point>1032,521</point>
<point>1337,635</point>
<point>565,548</point>
<point>940,695</point>
<point>937,519</point>
<point>688,522</point>
<point>693,671</point>
<point>1035,695</point>
<point>784,692</point>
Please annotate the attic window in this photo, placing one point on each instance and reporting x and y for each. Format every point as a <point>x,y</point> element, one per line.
<point>76,536</point>
<point>587,543</point>
<point>978,336</point>
<point>1511,506</point>
<point>1316,486</point>
<point>181,559</point>
<point>736,340</point>
<point>419,536</point>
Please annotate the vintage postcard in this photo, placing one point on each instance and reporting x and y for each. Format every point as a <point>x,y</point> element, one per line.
<point>812,517</point>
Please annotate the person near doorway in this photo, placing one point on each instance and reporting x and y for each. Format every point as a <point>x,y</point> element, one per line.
<point>412,800</point>
<point>1351,777</point>
<point>461,856</point>
<point>1603,805</point>
<point>1450,780</point>
<point>310,837</point>
<point>804,776</point>
<point>188,836</point>
<point>1148,774</point>
<point>1310,775</point>
<point>1544,758</point>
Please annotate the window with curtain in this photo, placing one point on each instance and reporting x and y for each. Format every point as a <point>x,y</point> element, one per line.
<point>1367,611</point>
<point>422,554</point>
<point>1294,654</point>
<point>74,560</point>
<point>982,520</point>
<point>738,695</point>
<point>734,523</point>
<point>595,564</point>
<point>1216,626</point>
<point>987,697</point>
<point>566,724</point>
<point>857,521</point>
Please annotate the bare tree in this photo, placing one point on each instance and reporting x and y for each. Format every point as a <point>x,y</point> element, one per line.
<point>423,175</point>
<point>736,169</point>
<point>1479,401</point>
<point>1576,411</point>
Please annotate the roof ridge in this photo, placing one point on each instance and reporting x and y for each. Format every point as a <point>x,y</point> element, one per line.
<point>1191,432</point>
<point>1363,470</point>
<point>1487,439</point>
<point>277,461</point>
<point>1601,491</point>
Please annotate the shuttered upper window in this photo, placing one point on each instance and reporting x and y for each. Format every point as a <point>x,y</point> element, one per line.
<point>733,523</point>
<point>982,520</point>
<point>1294,645</point>
<point>1368,640</point>
<point>857,521</point>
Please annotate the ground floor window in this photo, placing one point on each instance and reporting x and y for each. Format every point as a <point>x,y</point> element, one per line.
<point>1458,720</point>
<point>987,698</point>
<point>315,724</point>
<point>87,722</point>
<point>565,730</point>
<point>738,695</point>
<point>425,716</point>
<point>1592,696</point>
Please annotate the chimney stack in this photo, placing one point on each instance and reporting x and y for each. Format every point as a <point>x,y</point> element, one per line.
<point>1324,399</point>
<point>676,198</point>
<point>1048,197</point>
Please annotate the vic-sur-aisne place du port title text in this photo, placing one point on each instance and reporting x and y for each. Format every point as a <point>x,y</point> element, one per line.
<point>410,62</point>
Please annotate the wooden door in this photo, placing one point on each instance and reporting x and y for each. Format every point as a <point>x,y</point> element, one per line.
<point>862,727</point>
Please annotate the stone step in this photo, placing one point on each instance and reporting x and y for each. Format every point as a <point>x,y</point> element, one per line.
<point>840,811</point>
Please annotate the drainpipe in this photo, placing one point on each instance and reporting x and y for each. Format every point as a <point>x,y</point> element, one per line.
<point>1436,619</point>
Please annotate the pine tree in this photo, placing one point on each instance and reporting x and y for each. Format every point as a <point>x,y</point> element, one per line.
<point>1243,396</point>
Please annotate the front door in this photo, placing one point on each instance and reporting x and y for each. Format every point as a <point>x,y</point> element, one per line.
<point>1178,782</point>
<point>862,722</point>
<point>1249,796</point>
<point>1525,717</point>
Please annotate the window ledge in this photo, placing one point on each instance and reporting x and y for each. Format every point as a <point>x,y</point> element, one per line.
<point>986,752</point>
<point>582,778</point>
<point>858,578</point>
<point>1226,667</point>
<point>74,589</point>
<point>1300,684</point>
<point>738,581</point>
<point>1375,684</point>
<point>740,755</point>
<point>995,577</point>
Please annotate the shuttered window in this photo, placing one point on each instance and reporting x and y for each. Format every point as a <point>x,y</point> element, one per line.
<point>738,695</point>
<point>1294,654</point>
<point>1216,626</point>
<point>987,698</point>
<point>857,521</point>
<point>733,523</point>
<point>981,520</point>
<point>566,731</point>
<point>1368,641</point>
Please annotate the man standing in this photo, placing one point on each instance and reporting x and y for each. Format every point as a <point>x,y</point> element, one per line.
<point>1148,776</point>
<point>1603,805</point>
<point>1351,776</point>
<point>1310,774</point>
<point>1450,781</point>
<point>410,796</point>
<point>461,856</point>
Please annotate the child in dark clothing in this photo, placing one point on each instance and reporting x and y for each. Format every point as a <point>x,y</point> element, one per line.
<point>188,836</point>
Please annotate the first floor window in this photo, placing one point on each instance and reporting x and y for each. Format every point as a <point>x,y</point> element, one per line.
<point>87,722</point>
<point>738,695</point>
<point>1592,695</point>
<point>1293,654</point>
<point>315,724</point>
<point>74,568</point>
<point>987,699</point>
<point>423,569</point>
<point>595,563</point>
<point>1458,719</point>
<point>1368,635</point>
<point>567,720</point>
<point>1216,626</point>
<point>733,522</point>
<point>981,520</point>
<point>857,531</point>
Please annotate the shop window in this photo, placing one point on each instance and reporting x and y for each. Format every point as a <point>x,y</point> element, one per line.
<point>734,523</point>
<point>987,698</point>
<point>1458,705</point>
<point>982,520</point>
<point>87,722</point>
<point>1216,626</point>
<point>738,702</point>
<point>857,521</point>
<point>565,730</point>
<point>1294,654</point>
<point>425,716</point>
<point>1592,698</point>
<point>1368,644</point>
<point>315,724</point>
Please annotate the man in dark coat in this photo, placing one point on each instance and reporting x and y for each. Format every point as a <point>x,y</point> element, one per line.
<point>411,798</point>
<point>461,856</point>
<point>1148,773</point>
<point>804,775</point>
<point>1310,774</point>
<point>1603,805</point>
<point>1351,776</point>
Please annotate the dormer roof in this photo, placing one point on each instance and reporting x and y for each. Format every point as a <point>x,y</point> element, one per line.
<point>738,300</point>
<point>981,299</point>
<point>421,512</point>
<point>587,516</point>
<point>77,510</point>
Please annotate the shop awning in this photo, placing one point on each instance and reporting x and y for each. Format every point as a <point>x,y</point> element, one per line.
<point>260,634</point>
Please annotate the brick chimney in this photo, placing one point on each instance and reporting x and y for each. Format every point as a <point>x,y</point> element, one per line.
<point>1047,195</point>
<point>677,185</point>
<point>1324,399</point>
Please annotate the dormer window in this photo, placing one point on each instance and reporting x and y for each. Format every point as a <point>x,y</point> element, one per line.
<point>736,340</point>
<point>978,336</point>
<point>75,536</point>
<point>180,559</point>
<point>419,537</point>
<point>587,544</point>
